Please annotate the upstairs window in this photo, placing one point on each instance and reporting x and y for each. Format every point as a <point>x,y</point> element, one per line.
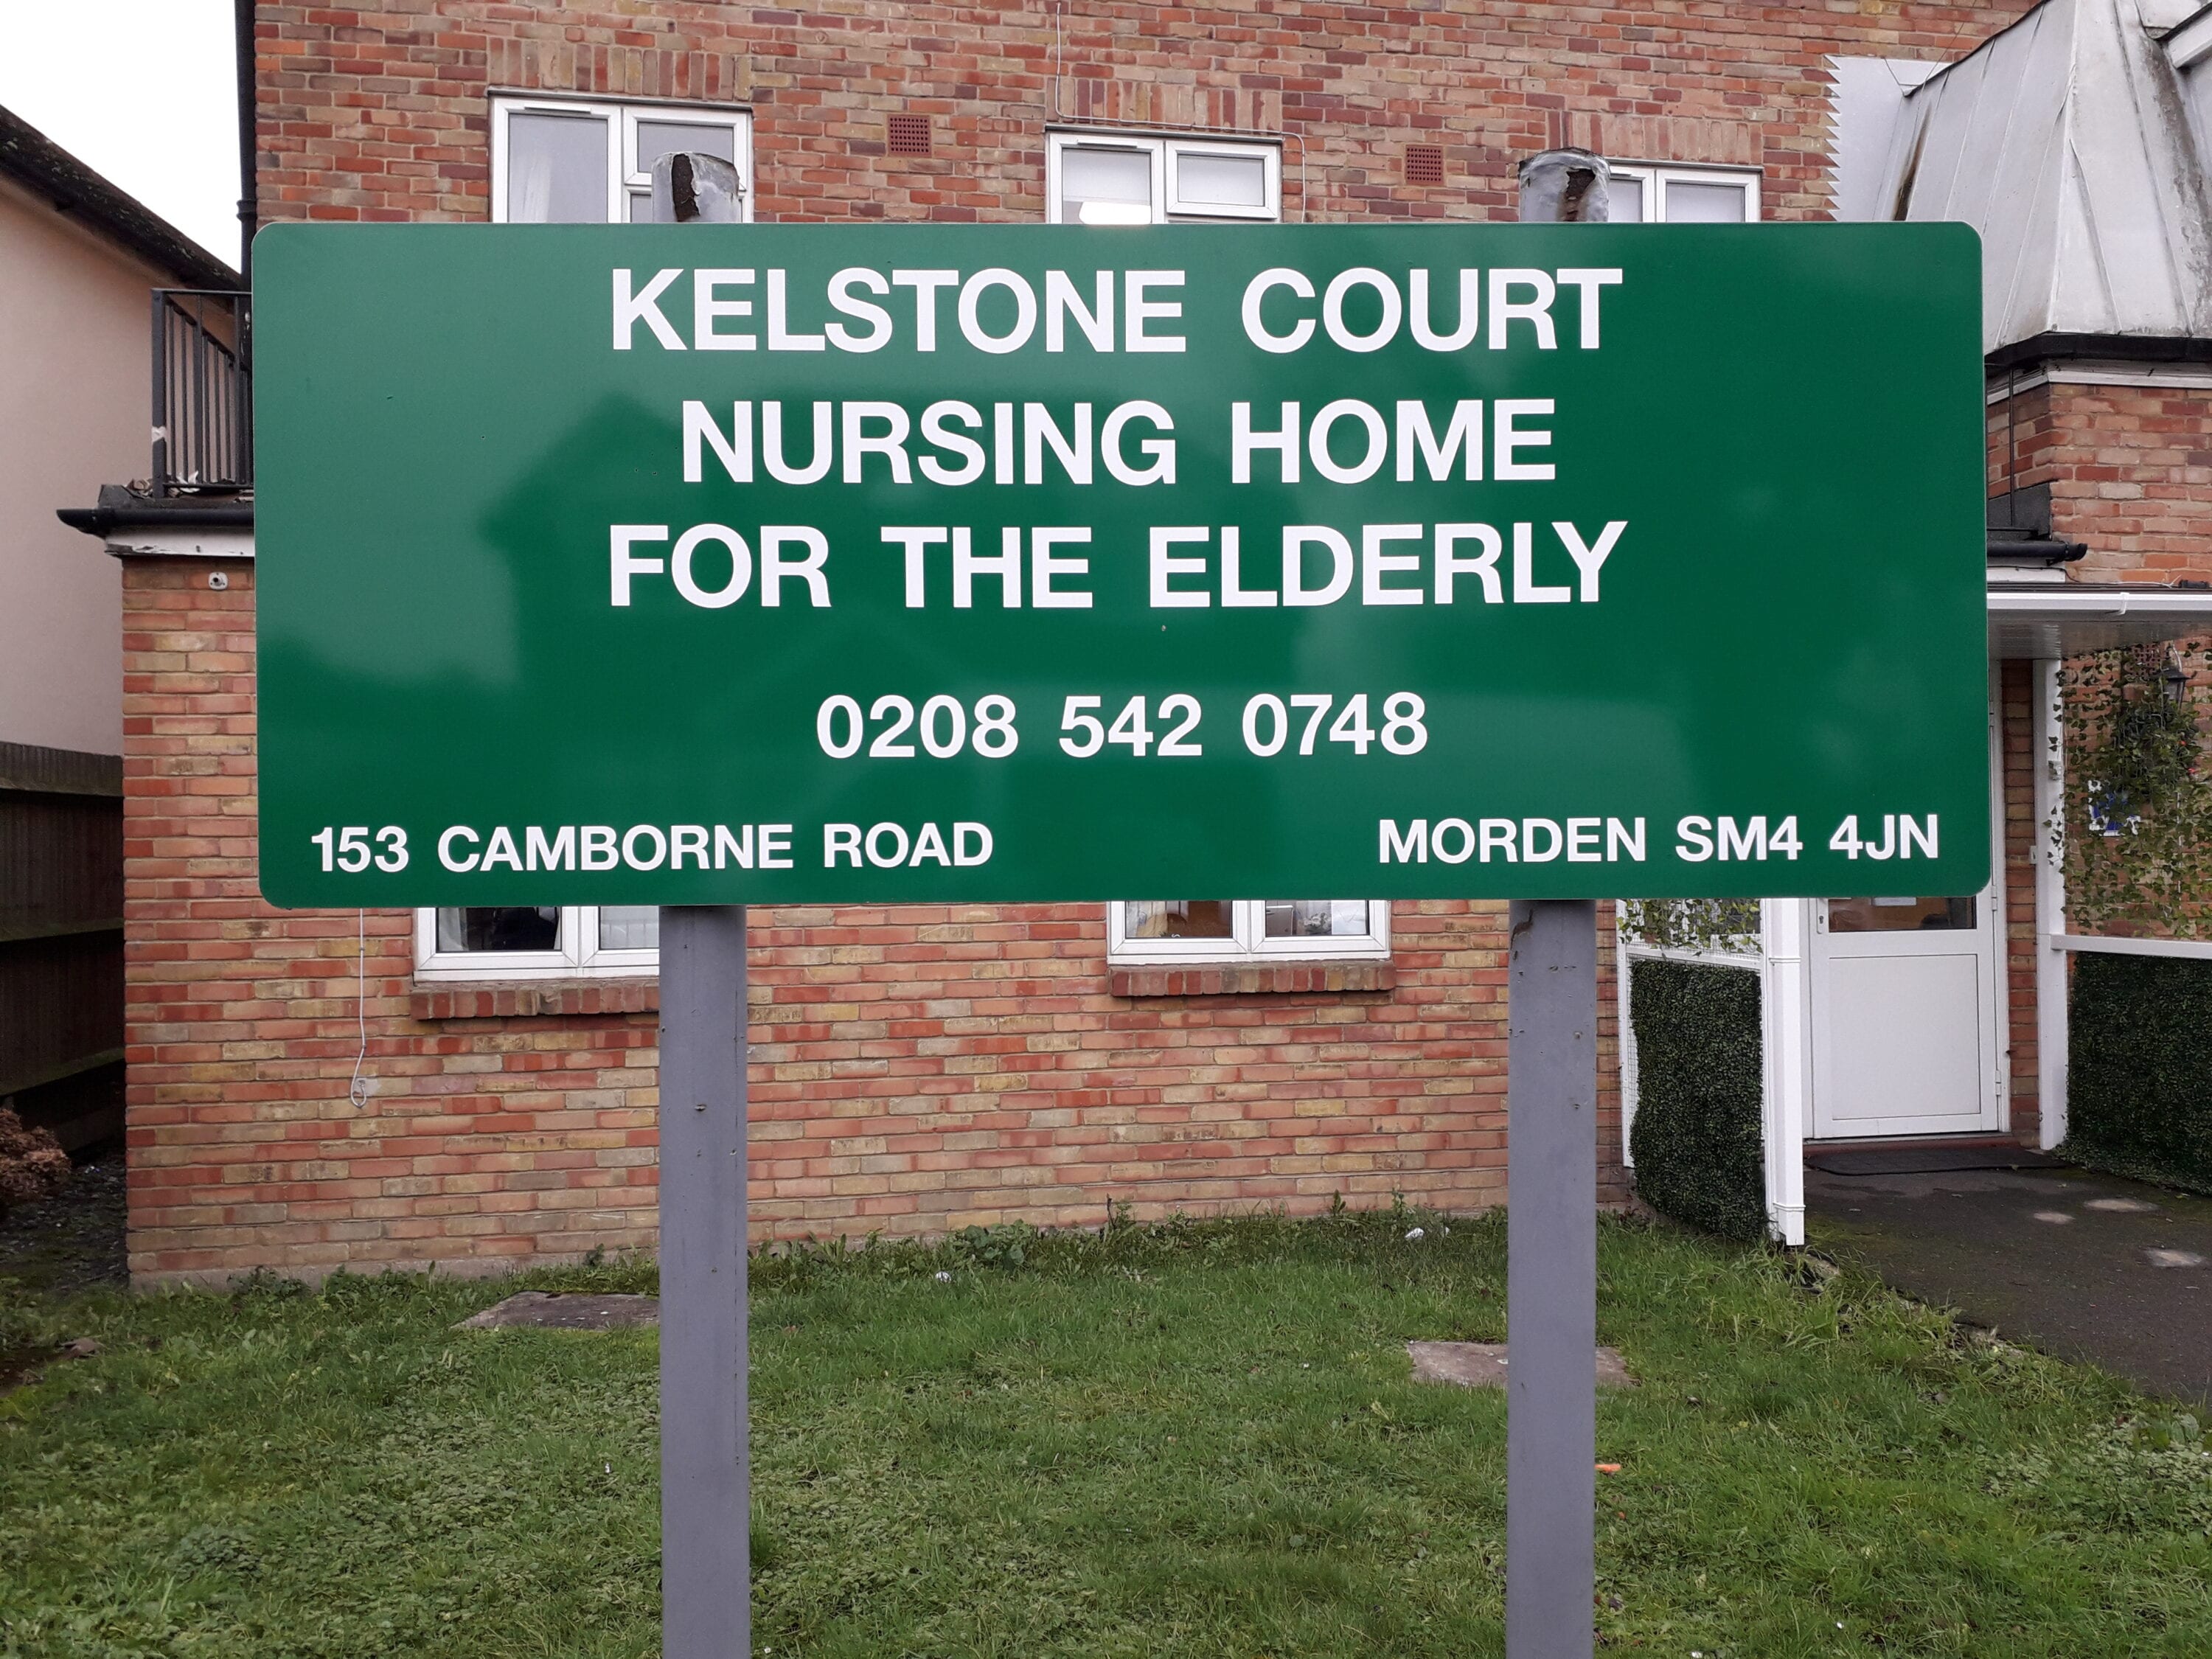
<point>1120,179</point>
<point>1644,193</point>
<point>585,161</point>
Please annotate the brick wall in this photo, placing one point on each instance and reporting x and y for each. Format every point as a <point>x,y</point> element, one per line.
<point>377,111</point>
<point>919,1068</point>
<point>2022,840</point>
<point>2130,472</point>
<point>915,1068</point>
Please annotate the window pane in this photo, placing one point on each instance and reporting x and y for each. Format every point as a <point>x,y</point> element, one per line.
<point>1179,919</point>
<point>641,207</point>
<point>1705,205</point>
<point>1220,181</point>
<point>1106,187</point>
<point>1900,915</point>
<point>556,169</point>
<point>1316,918</point>
<point>512,927</point>
<point>1624,201</point>
<point>656,138</point>
<point>630,927</point>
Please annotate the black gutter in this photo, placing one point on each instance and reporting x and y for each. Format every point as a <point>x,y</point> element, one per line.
<point>40,166</point>
<point>2047,548</point>
<point>2058,348</point>
<point>121,508</point>
<point>249,199</point>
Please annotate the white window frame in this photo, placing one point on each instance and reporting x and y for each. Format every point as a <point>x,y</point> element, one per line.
<point>1656,176</point>
<point>1165,149</point>
<point>578,955</point>
<point>622,117</point>
<point>1249,942</point>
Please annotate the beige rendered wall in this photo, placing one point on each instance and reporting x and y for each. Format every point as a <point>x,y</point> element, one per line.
<point>74,414</point>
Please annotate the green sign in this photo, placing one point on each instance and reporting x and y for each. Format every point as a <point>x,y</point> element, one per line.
<point>835,564</point>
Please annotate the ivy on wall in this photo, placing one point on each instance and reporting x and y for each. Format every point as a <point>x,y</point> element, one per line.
<point>2139,1076</point>
<point>2137,830</point>
<point>1722,926</point>
<point>1696,1140</point>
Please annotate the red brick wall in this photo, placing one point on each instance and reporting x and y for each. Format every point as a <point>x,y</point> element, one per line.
<point>919,1068</point>
<point>915,1068</point>
<point>2022,838</point>
<point>377,111</point>
<point>2130,471</point>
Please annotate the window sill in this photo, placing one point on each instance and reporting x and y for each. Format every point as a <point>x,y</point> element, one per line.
<point>534,999</point>
<point>1225,978</point>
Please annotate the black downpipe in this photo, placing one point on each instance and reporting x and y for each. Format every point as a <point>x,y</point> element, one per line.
<point>249,200</point>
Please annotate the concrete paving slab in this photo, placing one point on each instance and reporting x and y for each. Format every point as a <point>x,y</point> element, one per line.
<point>1482,1364</point>
<point>2087,1266</point>
<point>538,1309</point>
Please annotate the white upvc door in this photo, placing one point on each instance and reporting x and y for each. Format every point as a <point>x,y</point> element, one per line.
<point>1904,1022</point>
<point>1907,989</point>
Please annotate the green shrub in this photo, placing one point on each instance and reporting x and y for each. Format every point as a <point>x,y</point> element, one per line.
<point>2139,1085</point>
<point>1696,1140</point>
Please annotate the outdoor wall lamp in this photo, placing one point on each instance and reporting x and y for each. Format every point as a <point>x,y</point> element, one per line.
<point>2174,681</point>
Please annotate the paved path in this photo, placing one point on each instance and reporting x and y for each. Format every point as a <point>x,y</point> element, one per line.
<point>2086,1267</point>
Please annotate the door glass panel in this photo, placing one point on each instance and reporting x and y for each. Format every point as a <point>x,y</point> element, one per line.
<point>503,927</point>
<point>630,927</point>
<point>656,138</point>
<point>1901,916</point>
<point>556,169</point>
<point>1316,918</point>
<point>1179,919</point>
<point>1705,205</point>
<point>1624,201</point>
<point>1220,181</point>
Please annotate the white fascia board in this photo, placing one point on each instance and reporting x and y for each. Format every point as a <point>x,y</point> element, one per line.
<point>2193,949</point>
<point>2191,605</point>
<point>146,541</point>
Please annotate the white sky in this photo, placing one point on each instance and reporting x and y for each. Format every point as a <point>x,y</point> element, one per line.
<point>145,91</point>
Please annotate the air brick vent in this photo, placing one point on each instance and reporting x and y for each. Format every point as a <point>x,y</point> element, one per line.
<point>910,135</point>
<point>1425,164</point>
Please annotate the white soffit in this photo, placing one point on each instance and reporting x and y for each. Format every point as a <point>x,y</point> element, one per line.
<point>2066,620</point>
<point>2067,141</point>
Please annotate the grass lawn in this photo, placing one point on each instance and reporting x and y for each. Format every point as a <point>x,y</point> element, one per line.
<point>1191,1440</point>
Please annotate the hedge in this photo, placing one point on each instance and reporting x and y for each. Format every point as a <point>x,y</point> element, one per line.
<point>2139,1084</point>
<point>1696,1135</point>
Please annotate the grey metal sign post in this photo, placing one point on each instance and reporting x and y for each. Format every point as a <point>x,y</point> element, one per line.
<point>1550,1218</point>
<point>706,1551</point>
<point>706,1459</point>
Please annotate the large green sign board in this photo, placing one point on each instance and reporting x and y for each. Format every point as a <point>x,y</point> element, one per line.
<point>750,563</point>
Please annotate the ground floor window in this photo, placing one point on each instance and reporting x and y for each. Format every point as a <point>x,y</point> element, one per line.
<point>537,941</point>
<point>1241,930</point>
<point>554,942</point>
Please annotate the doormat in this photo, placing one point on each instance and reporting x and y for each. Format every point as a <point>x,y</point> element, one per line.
<point>1925,1160</point>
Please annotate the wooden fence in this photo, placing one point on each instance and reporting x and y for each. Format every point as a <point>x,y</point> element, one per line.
<point>61,941</point>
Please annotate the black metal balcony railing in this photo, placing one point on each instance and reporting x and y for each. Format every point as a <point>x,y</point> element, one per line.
<point>202,391</point>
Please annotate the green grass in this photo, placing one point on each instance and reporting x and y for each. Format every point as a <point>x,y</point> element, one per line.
<point>1192,1440</point>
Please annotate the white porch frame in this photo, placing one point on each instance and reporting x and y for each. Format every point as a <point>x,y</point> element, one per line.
<point>2048,733</point>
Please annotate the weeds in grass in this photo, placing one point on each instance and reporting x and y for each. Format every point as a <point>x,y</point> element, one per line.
<point>1182,1439</point>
